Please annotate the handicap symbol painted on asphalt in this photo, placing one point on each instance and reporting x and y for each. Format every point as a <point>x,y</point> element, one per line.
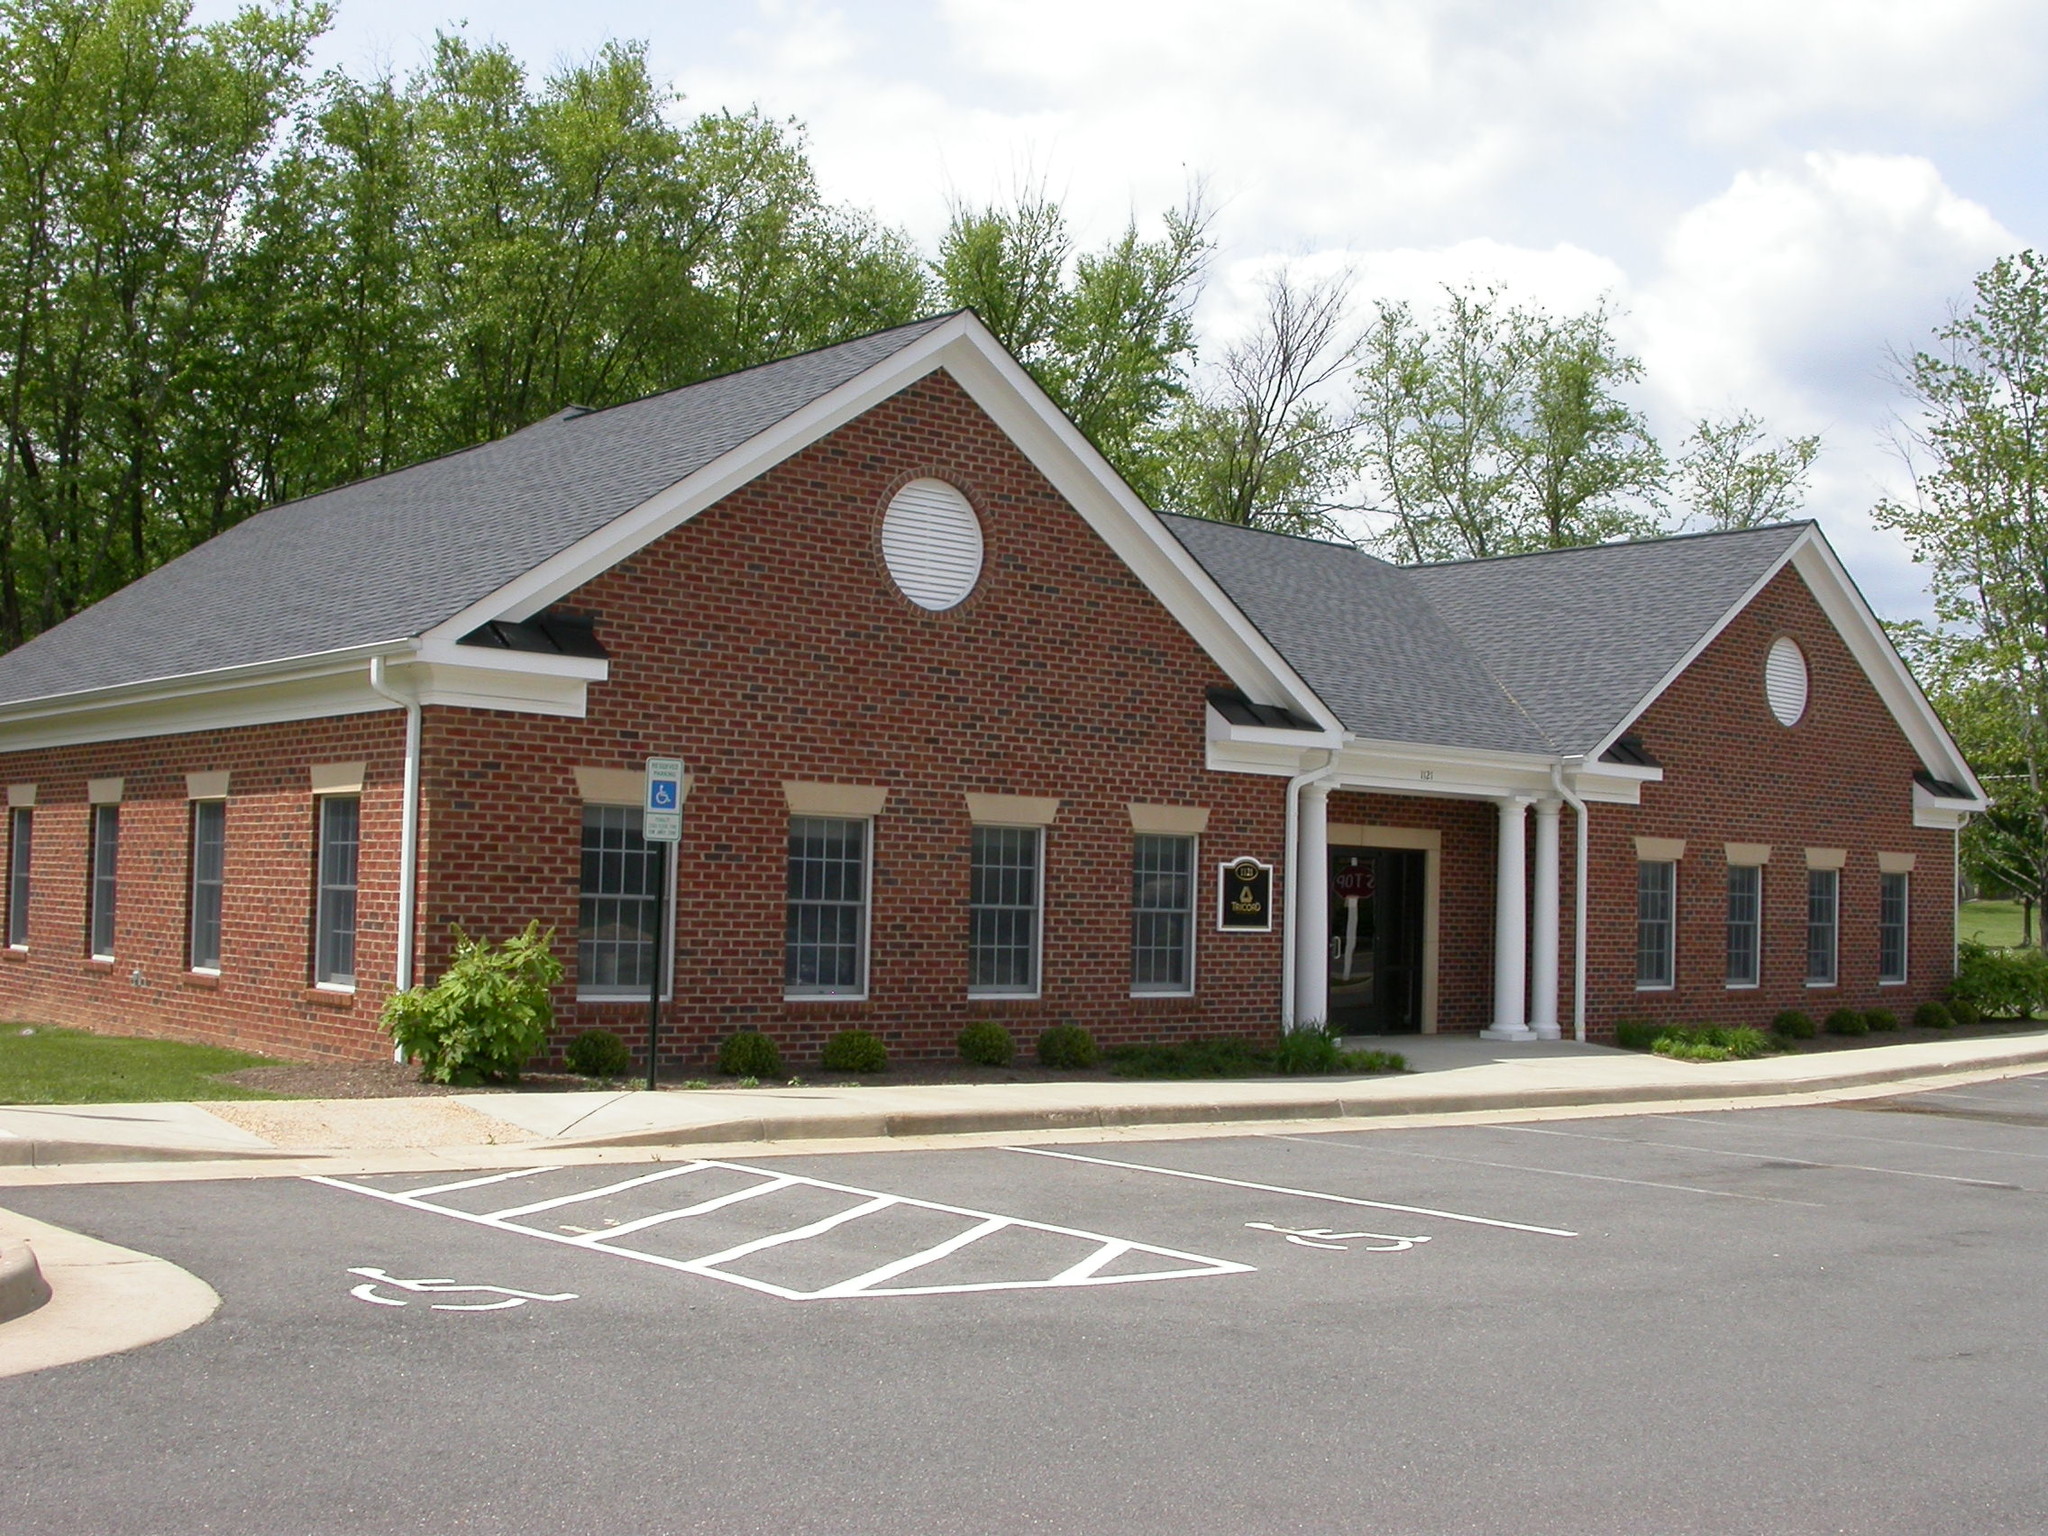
<point>1338,1242</point>
<point>376,1277</point>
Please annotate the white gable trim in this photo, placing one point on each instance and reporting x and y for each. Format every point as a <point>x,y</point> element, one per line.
<point>1832,587</point>
<point>965,349</point>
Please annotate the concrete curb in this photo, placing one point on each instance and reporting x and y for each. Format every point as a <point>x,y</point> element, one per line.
<point>22,1286</point>
<point>103,1299</point>
<point>1222,1111</point>
<point>26,1152</point>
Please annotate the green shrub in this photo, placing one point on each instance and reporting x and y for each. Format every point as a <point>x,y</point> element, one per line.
<point>1793,1025</point>
<point>749,1053</point>
<point>1372,1061</point>
<point>1712,1042</point>
<point>1931,1015</point>
<point>598,1053</point>
<point>1636,1034</point>
<point>1880,1020</point>
<point>1962,1012</point>
<point>2000,983</point>
<point>1306,1052</point>
<point>987,1044</point>
<point>1228,1057</point>
<point>855,1050</point>
<point>1846,1021</point>
<point>1066,1046</point>
<point>1682,1048</point>
<point>487,1014</point>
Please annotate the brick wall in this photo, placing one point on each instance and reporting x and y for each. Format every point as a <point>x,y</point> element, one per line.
<point>763,641</point>
<point>263,998</point>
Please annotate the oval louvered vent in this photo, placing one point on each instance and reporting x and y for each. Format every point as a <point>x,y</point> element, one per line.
<point>1785,681</point>
<point>931,542</point>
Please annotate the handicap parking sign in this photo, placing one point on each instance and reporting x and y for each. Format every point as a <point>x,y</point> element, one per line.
<point>661,816</point>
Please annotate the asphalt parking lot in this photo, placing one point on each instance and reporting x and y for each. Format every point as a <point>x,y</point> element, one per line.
<point>1783,1320</point>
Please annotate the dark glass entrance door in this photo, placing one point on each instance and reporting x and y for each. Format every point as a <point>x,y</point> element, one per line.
<point>1376,897</point>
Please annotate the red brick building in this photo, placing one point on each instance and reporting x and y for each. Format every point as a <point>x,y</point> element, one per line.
<point>970,732</point>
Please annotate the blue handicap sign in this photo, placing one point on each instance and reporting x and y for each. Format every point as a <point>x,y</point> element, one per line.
<point>661,795</point>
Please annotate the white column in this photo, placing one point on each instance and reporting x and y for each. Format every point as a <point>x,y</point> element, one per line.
<point>1510,928</point>
<point>1543,926</point>
<point>1312,917</point>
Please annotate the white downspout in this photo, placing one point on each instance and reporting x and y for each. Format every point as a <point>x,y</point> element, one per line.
<point>409,827</point>
<point>1578,902</point>
<point>1290,943</point>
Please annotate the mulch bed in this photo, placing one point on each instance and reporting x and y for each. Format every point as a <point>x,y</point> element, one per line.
<point>392,1080</point>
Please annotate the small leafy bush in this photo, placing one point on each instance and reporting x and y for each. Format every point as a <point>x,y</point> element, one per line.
<point>855,1050</point>
<point>486,1016</point>
<point>2000,983</point>
<point>1962,1012</point>
<point>1636,1034</point>
<point>1305,1053</point>
<point>1229,1057</point>
<point>987,1044</point>
<point>1067,1046</point>
<point>1880,1020</point>
<point>1931,1015</point>
<point>749,1053</point>
<point>1847,1021</point>
<point>1793,1025</point>
<point>598,1053</point>
<point>1681,1048</point>
<point>1372,1061</point>
<point>1712,1042</point>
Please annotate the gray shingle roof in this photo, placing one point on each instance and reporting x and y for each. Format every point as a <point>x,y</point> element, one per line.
<point>1579,636</point>
<point>390,558</point>
<point>1363,636</point>
<point>1544,653</point>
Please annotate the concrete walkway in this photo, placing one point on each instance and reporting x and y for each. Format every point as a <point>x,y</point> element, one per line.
<point>1450,1075</point>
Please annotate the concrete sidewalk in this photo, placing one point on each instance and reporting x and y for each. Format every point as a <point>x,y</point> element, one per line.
<point>1450,1075</point>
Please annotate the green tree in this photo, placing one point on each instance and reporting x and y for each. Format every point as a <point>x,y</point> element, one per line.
<point>1108,334</point>
<point>1978,519</point>
<point>1732,476</point>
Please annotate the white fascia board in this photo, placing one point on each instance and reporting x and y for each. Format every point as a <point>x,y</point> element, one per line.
<point>1931,810</point>
<point>966,350</point>
<point>1220,729</point>
<point>524,693</point>
<point>536,664</point>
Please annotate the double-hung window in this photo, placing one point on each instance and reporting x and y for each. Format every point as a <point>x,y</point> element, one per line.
<point>1656,922</point>
<point>826,926</point>
<point>334,921</point>
<point>1162,914</point>
<point>209,867</point>
<point>1004,902</point>
<point>1823,918</point>
<point>1745,913</point>
<point>106,858</point>
<point>20,830</point>
<point>1891,929</point>
<point>615,909</point>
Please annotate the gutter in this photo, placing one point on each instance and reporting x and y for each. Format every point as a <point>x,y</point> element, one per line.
<point>409,827</point>
<point>1578,896</point>
<point>1290,945</point>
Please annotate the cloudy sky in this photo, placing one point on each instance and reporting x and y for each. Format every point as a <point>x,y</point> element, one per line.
<point>1774,193</point>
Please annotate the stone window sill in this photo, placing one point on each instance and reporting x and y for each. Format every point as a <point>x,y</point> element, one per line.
<point>325,997</point>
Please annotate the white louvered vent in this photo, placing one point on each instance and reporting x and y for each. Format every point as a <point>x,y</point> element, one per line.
<point>931,542</point>
<point>1785,681</point>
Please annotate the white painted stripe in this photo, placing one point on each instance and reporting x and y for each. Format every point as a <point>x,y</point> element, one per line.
<point>494,1178</point>
<point>600,1238</point>
<point>1306,1194</point>
<point>916,1260</point>
<point>593,1194</point>
<point>1876,1141</point>
<point>1768,1157</point>
<point>795,1234</point>
<point>1095,1261</point>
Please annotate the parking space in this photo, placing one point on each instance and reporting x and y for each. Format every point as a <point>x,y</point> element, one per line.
<point>1774,1319</point>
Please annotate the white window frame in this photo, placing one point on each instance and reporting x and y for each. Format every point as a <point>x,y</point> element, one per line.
<point>1905,880</point>
<point>1191,912</point>
<point>858,993</point>
<point>667,937</point>
<point>1755,873</point>
<point>112,881</point>
<point>336,983</point>
<point>1670,981</point>
<point>192,887</point>
<point>21,844</point>
<point>1037,987</point>
<point>1834,926</point>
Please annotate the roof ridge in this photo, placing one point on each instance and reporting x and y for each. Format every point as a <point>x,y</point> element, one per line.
<point>1580,549</point>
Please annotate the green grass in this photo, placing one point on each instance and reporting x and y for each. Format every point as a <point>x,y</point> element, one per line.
<point>69,1066</point>
<point>1996,923</point>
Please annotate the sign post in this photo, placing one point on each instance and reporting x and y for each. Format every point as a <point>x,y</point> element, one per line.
<point>661,826</point>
